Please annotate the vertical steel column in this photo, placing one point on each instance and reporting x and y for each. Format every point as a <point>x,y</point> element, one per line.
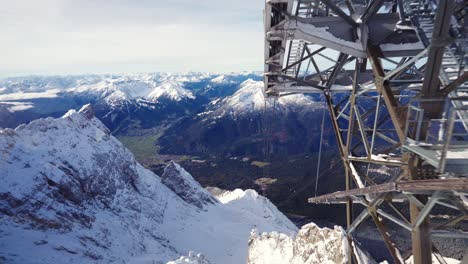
<point>439,40</point>
<point>349,136</point>
<point>341,144</point>
<point>420,236</point>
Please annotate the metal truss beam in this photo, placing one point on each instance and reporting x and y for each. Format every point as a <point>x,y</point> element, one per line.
<point>410,56</point>
<point>414,187</point>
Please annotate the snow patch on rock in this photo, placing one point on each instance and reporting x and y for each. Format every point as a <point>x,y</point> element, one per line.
<point>192,258</point>
<point>311,245</point>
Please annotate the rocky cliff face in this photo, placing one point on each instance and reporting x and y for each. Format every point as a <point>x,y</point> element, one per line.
<point>72,161</point>
<point>311,245</point>
<point>183,184</point>
<point>71,193</point>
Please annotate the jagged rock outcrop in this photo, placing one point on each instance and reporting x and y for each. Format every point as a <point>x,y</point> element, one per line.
<point>183,184</point>
<point>68,161</point>
<point>311,245</point>
<point>192,258</point>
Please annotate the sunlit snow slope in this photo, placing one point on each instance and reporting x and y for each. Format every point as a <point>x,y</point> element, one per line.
<point>71,193</point>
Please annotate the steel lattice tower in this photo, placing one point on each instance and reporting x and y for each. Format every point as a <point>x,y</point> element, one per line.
<point>393,75</point>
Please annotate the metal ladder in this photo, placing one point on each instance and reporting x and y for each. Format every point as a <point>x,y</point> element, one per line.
<point>305,8</point>
<point>296,50</point>
<point>450,67</point>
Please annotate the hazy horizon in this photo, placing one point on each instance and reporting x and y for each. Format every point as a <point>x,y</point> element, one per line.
<point>73,37</point>
<point>258,72</point>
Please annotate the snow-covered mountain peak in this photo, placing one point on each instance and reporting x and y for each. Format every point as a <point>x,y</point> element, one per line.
<point>86,110</point>
<point>249,201</point>
<point>72,193</point>
<point>219,79</point>
<point>227,197</point>
<point>172,90</point>
<point>114,91</point>
<point>76,147</point>
<point>183,184</point>
<point>249,82</point>
<point>224,79</point>
<point>249,98</point>
<point>117,90</point>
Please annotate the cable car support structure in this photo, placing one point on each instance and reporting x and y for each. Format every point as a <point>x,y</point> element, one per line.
<point>394,79</point>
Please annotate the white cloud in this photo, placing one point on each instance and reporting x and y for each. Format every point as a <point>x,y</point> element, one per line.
<point>18,106</point>
<point>24,96</point>
<point>75,36</point>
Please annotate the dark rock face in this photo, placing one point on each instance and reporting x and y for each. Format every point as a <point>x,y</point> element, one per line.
<point>291,134</point>
<point>237,125</point>
<point>71,190</point>
<point>87,111</point>
<point>182,183</point>
<point>72,161</point>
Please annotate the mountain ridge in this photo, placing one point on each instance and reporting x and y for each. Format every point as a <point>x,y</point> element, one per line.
<point>73,193</point>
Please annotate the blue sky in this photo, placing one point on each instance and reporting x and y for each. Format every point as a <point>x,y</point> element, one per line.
<point>111,36</point>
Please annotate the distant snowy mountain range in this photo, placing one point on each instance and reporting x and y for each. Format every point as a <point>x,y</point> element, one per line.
<point>113,89</point>
<point>194,105</point>
<point>30,97</point>
<point>72,193</point>
<point>19,94</point>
